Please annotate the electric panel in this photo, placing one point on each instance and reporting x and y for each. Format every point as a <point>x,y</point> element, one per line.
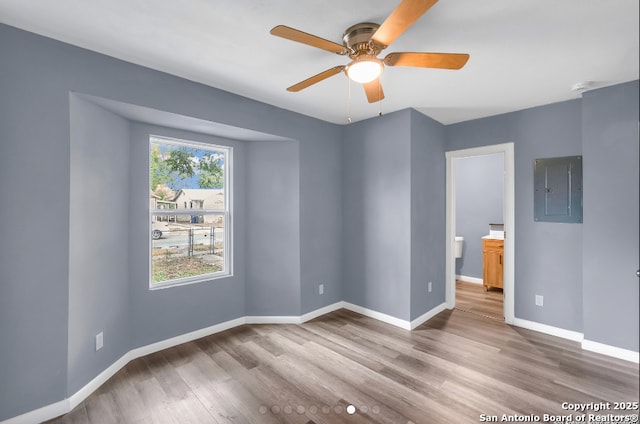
<point>558,189</point>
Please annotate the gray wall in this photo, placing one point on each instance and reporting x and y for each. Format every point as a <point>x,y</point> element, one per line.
<point>35,161</point>
<point>394,214</point>
<point>320,221</point>
<point>479,192</point>
<point>376,162</point>
<point>548,256</point>
<point>34,173</point>
<point>98,240</point>
<point>273,229</point>
<point>428,177</point>
<point>363,221</point>
<point>610,248</point>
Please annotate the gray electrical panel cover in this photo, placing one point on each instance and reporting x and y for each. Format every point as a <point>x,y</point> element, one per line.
<point>557,193</point>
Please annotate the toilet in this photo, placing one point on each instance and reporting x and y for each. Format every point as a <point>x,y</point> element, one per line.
<point>458,249</point>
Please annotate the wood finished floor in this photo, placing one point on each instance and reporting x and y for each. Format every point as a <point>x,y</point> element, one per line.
<point>472,298</point>
<point>451,369</point>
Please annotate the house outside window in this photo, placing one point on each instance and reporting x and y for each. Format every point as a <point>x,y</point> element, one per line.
<point>190,211</point>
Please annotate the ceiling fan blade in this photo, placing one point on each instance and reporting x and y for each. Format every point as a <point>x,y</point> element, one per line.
<point>374,90</point>
<point>427,60</point>
<point>316,78</point>
<point>308,39</point>
<point>400,19</point>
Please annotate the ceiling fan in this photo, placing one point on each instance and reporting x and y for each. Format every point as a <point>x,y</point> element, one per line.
<point>364,41</point>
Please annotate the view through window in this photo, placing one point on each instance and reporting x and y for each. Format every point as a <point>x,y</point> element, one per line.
<point>189,204</point>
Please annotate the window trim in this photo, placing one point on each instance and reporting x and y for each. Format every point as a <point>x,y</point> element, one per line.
<point>227,212</point>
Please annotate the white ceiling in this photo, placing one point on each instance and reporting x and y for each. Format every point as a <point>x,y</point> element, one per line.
<point>524,53</point>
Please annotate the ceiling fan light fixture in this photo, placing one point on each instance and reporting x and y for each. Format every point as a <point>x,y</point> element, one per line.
<point>364,69</point>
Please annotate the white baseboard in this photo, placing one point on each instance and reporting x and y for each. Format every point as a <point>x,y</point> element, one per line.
<point>77,398</point>
<point>616,352</point>
<point>604,349</point>
<point>294,319</point>
<point>428,315</point>
<point>468,279</point>
<point>187,337</point>
<point>322,311</point>
<point>548,329</point>
<point>378,315</point>
<point>272,320</point>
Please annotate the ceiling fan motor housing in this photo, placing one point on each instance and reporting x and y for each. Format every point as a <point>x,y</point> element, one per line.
<point>357,38</point>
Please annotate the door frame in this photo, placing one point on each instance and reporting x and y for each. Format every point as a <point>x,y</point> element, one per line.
<point>509,223</point>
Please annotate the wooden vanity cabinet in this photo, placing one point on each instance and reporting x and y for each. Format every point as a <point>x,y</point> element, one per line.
<point>492,263</point>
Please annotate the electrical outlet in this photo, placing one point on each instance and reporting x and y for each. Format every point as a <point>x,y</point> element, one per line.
<point>99,341</point>
<point>321,288</point>
<point>429,287</point>
<point>539,300</point>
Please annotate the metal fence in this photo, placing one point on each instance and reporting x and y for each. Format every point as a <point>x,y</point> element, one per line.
<point>190,241</point>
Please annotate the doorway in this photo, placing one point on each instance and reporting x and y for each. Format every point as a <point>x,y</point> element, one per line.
<point>507,149</point>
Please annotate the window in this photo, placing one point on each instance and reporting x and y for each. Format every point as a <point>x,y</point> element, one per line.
<point>189,211</point>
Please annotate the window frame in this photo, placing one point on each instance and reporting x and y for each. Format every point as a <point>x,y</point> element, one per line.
<point>227,212</point>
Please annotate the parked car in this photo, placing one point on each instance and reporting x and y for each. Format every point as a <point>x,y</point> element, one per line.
<point>157,228</point>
